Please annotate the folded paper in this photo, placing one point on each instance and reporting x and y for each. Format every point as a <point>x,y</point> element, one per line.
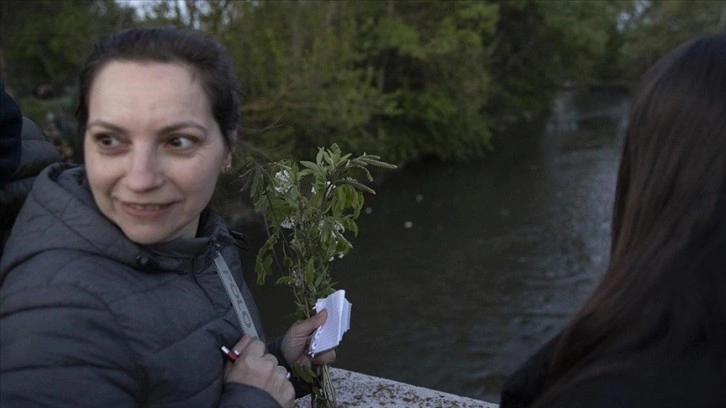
<point>331,332</point>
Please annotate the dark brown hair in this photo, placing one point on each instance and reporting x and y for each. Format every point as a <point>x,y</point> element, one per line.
<point>205,56</point>
<point>665,285</point>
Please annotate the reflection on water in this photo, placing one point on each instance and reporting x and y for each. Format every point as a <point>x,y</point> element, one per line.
<point>461,271</point>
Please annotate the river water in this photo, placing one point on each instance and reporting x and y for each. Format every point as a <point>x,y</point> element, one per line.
<point>461,271</point>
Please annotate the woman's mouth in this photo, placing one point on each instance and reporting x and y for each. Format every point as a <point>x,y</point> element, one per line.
<point>146,210</point>
<point>147,207</point>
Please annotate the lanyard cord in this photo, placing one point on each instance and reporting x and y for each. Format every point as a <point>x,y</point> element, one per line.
<point>238,302</point>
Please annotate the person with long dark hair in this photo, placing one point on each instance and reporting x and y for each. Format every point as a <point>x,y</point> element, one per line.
<point>653,333</point>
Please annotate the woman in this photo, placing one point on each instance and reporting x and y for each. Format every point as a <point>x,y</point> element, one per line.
<point>653,334</point>
<point>120,285</point>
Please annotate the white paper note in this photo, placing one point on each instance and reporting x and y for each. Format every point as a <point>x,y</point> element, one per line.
<point>331,332</point>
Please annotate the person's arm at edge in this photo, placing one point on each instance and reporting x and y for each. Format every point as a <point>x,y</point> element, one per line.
<point>11,124</point>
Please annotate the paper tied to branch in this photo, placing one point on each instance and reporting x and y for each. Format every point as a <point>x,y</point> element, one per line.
<point>331,332</point>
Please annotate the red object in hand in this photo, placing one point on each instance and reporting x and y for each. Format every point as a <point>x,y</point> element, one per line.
<point>231,354</point>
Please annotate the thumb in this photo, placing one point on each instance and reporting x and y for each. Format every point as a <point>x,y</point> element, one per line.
<point>319,318</point>
<point>309,325</point>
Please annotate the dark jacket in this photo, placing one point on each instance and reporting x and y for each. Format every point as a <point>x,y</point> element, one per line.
<point>92,319</point>
<point>654,378</point>
<point>35,153</point>
<point>10,125</point>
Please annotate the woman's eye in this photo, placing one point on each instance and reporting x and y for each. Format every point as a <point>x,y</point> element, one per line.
<point>182,142</point>
<point>107,141</point>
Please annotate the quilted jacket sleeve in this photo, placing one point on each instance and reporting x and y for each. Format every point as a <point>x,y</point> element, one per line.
<point>71,352</point>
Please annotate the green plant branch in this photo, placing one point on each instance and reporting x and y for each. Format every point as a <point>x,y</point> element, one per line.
<point>310,228</point>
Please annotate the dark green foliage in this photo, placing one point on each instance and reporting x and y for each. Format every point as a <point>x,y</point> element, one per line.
<point>404,79</point>
<point>652,28</point>
<point>46,41</point>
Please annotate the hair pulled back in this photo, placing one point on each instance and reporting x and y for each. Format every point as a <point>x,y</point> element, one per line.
<point>204,56</point>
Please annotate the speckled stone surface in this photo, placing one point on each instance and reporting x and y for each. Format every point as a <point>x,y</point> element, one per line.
<point>356,390</point>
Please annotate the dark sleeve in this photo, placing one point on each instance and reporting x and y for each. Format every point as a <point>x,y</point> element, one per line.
<point>525,385</point>
<point>10,130</point>
<point>603,392</point>
<point>301,387</point>
<point>61,347</point>
<point>37,153</point>
<point>236,395</point>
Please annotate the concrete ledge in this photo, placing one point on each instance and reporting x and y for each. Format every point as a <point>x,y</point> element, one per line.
<point>356,390</point>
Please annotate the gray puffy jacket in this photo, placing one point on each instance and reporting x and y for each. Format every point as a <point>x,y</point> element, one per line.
<point>91,319</point>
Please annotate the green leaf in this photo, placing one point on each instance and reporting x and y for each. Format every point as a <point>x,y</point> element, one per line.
<point>304,373</point>
<point>304,173</point>
<point>320,280</point>
<point>309,272</point>
<point>358,185</point>
<point>374,161</point>
<point>263,268</point>
<point>310,165</point>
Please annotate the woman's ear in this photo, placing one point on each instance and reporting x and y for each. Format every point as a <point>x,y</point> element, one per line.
<point>231,145</point>
<point>227,163</point>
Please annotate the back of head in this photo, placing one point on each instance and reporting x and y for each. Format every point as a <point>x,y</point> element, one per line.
<point>666,281</point>
<point>206,58</point>
<point>673,170</point>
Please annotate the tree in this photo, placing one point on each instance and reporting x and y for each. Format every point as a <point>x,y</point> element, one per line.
<point>371,76</point>
<point>45,41</point>
<point>653,27</point>
<point>204,15</point>
<point>540,45</point>
<point>409,79</point>
<point>403,79</point>
<point>303,77</point>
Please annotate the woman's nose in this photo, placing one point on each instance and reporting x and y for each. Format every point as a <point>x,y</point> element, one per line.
<point>144,171</point>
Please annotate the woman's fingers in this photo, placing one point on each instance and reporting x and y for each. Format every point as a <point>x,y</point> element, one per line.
<point>259,369</point>
<point>308,326</point>
<point>242,343</point>
<point>271,360</point>
<point>248,345</point>
<point>282,372</point>
<point>297,338</point>
<point>326,357</point>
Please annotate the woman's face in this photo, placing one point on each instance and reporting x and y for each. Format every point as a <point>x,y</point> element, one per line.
<point>153,150</point>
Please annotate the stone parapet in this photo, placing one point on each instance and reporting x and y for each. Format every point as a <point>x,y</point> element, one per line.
<point>356,390</point>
